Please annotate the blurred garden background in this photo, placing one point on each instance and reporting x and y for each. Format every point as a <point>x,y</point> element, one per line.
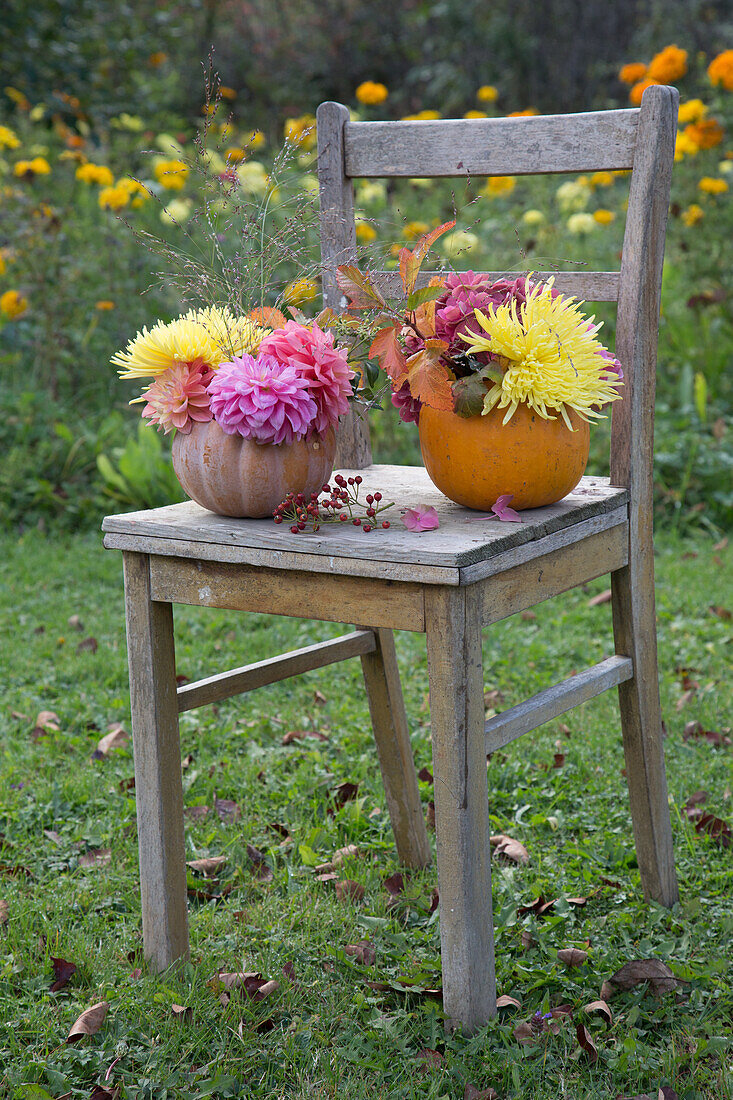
<point>104,113</point>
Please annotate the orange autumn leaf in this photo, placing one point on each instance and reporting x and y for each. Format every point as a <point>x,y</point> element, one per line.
<point>430,380</point>
<point>411,262</point>
<point>386,348</point>
<point>268,316</point>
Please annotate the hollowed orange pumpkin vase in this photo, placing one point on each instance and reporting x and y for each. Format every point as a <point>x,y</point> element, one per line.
<point>233,476</point>
<point>474,460</point>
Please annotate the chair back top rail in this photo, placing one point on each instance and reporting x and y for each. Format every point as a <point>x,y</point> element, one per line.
<point>590,286</point>
<point>590,142</point>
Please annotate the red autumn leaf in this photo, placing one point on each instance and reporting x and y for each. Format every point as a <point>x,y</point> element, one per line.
<point>539,907</point>
<point>136,974</point>
<point>654,971</point>
<point>425,775</point>
<point>89,1022</point>
<point>363,952</point>
<point>509,848</point>
<point>716,828</point>
<point>358,287</point>
<point>558,760</point>
<point>344,793</point>
<point>268,316</point>
<point>411,261</point>
<point>99,1092</point>
<point>723,613</point>
<point>697,730</point>
<point>587,1043</point>
<point>62,972</point>
<point>430,380</point>
<point>386,348</point>
<point>348,890</point>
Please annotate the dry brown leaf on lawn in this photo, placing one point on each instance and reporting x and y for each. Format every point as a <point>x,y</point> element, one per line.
<point>572,956</point>
<point>654,971</point>
<point>182,1012</point>
<point>685,698</point>
<point>347,889</point>
<point>97,857</point>
<point>47,721</point>
<point>301,735</point>
<point>345,792</point>
<point>327,876</point>
<point>584,1038</point>
<point>90,644</point>
<point>395,884</point>
<point>4,911</point>
<point>227,810</point>
<point>507,1002</point>
<point>262,869</point>
<point>509,848</point>
<point>115,739</point>
<point>208,867</point>
<point>528,939</point>
<point>429,1058</point>
<point>363,952</point>
<point>472,1093</point>
<point>62,972</point>
<point>89,1022</point>
<point>99,1092</point>
<point>349,852</point>
<point>75,623</point>
<point>425,775</point>
<point>539,906</point>
<point>723,613</point>
<point>716,828</point>
<point>195,813</point>
<point>602,1008</point>
<point>602,597</point>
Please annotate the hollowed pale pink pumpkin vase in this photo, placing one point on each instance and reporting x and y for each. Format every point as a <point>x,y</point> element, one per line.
<point>238,477</point>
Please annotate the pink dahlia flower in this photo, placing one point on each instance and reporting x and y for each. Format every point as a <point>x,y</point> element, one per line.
<point>261,399</point>
<point>178,397</point>
<point>408,406</point>
<point>311,353</point>
<point>466,291</point>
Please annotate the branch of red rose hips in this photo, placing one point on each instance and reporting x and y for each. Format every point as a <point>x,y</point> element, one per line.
<point>337,507</point>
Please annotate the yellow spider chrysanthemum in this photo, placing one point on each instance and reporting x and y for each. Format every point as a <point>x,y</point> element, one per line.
<point>550,357</point>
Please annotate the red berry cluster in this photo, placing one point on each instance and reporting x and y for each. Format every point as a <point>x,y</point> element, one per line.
<point>337,506</point>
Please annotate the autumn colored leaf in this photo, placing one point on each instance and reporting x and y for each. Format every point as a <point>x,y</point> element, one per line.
<point>387,350</point>
<point>89,1022</point>
<point>602,597</point>
<point>262,869</point>
<point>696,729</point>
<point>196,813</point>
<point>472,1093</point>
<point>253,984</point>
<point>97,857</point>
<point>344,793</point>
<point>468,395</point>
<point>363,952</point>
<point>395,884</point>
<point>4,911</point>
<point>430,1059</point>
<point>600,1007</point>
<point>424,294</point>
<point>586,1042</point>
<point>539,907</point>
<point>348,890</point>
<point>209,867</point>
<point>658,975</point>
<point>358,287</point>
<point>227,810</point>
<point>412,261</point>
<point>268,316</point>
<point>505,1001</point>
<point>429,378</point>
<point>62,973</point>
<point>425,775</point>
<point>74,622</point>
<point>115,739</point>
<point>88,644</point>
<point>509,848</point>
<point>48,722</point>
<point>572,956</point>
<point>716,828</point>
<point>181,1012</point>
<point>302,735</point>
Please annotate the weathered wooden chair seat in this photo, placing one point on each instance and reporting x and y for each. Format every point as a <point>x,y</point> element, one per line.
<point>448,583</point>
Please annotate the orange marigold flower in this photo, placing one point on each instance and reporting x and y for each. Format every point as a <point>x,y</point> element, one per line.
<point>157,58</point>
<point>668,65</point>
<point>631,73</point>
<point>720,70</point>
<point>638,91</point>
<point>104,304</point>
<point>693,214</point>
<point>371,93</point>
<point>712,185</point>
<point>521,114</point>
<point>707,133</point>
<point>228,93</point>
<point>13,304</point>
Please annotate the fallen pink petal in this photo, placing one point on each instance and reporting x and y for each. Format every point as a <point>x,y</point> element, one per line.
<point>502,510</point>
<point>421,519</point>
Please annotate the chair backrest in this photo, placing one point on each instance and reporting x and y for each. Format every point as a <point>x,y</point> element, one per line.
<point>640,139</point>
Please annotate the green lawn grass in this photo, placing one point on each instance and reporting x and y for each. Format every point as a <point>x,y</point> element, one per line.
<point>325,1031</point>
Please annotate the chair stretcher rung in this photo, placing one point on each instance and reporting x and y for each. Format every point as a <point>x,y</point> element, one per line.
<point>556,700</point>
<point>240,680</point>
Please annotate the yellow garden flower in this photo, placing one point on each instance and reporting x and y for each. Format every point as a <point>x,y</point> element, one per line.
<point>301,132</point>
<point>95,173</point>
<point>693,214</point>
<point>684,146</point>
<point>253,140</point>
<point>720,70</point>
<point>13,304</point>
<point>528,111</point>
<point>573,195</point>
<point>228,93</point>
<point>712,186</point>
<point>601,179</point>
<point>413,230</point>
<point>233,334</point>
<point>137,191</point>
<point>104,305</point>
<point>181,341</point>
<point>20,100</point>
<point>300,291</point>
<point>580,224</point>
<point>707,133</point>
<point>487,93</point>
<point>633,72</point>
<point>691,111</point>
<point>428,115</point>
<point>8,139</point>
<point>475,114</point>
<point>551,358</point>
<point>604,217</point>
<point>365,233</point>
<point>668,65</point>
<point>533,218</point>
<point>177,212</point>
<point>371,93</point>
<point>499,185</point>
<point>113,198</point>
<point>171,174</point>
<point>458,243</point>
<point>253,177</point>
<point>39,166</point>
<point>371,191</point>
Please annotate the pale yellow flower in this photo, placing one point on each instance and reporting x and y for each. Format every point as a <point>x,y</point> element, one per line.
<point>301,132</point>
<point>177,212</point>
<point>573,195</point>
<point>458,243</point>
<point>581,223</point>
<point>533,218</point>
<point>300,291</point>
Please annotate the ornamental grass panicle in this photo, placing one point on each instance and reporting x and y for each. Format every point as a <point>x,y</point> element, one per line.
<point>550,356</point>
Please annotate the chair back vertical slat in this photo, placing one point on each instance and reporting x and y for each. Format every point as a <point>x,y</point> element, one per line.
<point>338,246</point>
<point>632,431</point>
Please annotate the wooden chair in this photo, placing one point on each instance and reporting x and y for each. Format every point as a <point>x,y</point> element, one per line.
<point>448,583</point>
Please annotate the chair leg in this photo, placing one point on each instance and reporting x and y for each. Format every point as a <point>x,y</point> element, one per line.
<point>158,787</point>
<point>634,626</point>
<point>453,626</point>
<point>389,722</point>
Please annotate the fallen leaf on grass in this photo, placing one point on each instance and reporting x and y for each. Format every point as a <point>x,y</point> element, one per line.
<point>507,1002</point>
<point>363,952</point>
<point>692,806</point>
<point>89,1022</point>
<point>182,1012</point>
<point>195,813</point>
<point>685,698</point>
<point>227,810</point>
<point>716,828</point>
<point>472,1093</point>
<point>539,907</point>
<point>253,984</point>
<point>115,739</point>
<point>602,1008</point>
<point>509,848</point>
<point>74,622</point>
<point>136,974</point>
<point>348,890</point>
<point>587,1043</point>
<point>62,972</point>
<point>301,735</point>
<point>4,911</point>
<point>430,1059</point>
<point>208,867</point>
<point>430,816</point>
<point>528,940</point>
<point>53,836</point>
<point>19,716</point>
<point>262,869</point>
<point>602,597</point>
<point>345,792</point>
<point>697,730</point>
<point>90,644</point>
<point>572,956</point>
<point>654,971</point>
<point>425,775</point>
<point>349,852</point>
<point>97,857</point>
<point>722,612</point>
<point>395,884</point>
<point>15,870</point>
<point>46,722</point>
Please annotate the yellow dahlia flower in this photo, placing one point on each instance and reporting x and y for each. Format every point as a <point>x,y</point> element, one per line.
<point>234,335</point>
<point>550,356</point>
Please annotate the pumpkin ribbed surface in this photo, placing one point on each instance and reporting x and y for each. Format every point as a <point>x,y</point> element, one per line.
<point>237,477</point>
<point>476,459</point>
